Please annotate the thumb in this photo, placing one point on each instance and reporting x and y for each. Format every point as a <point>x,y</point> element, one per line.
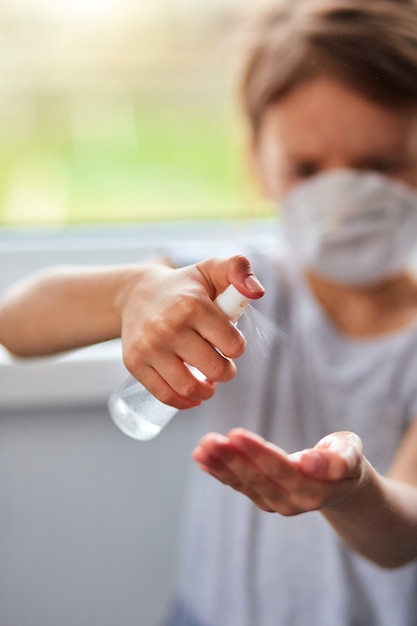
<point>220,272</point>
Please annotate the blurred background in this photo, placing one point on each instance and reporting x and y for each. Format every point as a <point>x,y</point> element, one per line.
<point>119,133</point>
<point>119,111</point>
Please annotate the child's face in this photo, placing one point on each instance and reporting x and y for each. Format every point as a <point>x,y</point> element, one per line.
<point>323,125</point>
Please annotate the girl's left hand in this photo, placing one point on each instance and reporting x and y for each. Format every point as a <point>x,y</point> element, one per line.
<point>275,481</point>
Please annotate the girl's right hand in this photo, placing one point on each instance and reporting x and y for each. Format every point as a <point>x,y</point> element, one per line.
<point>168,318</point>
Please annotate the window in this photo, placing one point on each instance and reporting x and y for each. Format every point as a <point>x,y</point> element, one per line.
<point>119,111</point>
<point>113,112</point>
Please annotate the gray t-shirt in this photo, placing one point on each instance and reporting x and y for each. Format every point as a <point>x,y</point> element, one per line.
<point>244,567</point>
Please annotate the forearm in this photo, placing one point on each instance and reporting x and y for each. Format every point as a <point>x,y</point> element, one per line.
<point>64,308</point>
<point>379,520</point>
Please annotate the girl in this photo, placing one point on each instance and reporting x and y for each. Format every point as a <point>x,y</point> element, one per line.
<point>330,92</point>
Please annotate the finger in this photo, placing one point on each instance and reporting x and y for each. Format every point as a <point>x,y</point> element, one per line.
<point>223,475</point>
<point>200,354</point>
<point>346,446</point>
<point>336,457</point>
<point>236,270</point>
<point>190,394</point>
<point>192,312</point>
<point>272,460</point>
<point>293,490</point>
<point>214,454</point>
<point>343,442</point>
<point>231,465</point>
<point>322,465</point>
<point>217,330</point>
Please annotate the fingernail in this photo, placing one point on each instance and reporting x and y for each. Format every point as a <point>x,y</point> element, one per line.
<point>312,462</point>
<point>253,283</point>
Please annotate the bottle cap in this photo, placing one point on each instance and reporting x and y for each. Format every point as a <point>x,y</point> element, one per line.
<point>232,303</point>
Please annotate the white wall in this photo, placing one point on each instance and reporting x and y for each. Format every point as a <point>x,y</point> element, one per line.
<point>89,518</point>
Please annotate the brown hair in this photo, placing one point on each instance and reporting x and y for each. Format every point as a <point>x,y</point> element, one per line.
<point>370,45</point>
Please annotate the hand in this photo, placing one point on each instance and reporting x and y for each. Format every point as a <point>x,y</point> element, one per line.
<point>169,318</point>
<point>275,481</point>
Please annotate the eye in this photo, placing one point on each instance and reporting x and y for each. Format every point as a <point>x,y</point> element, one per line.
<point>304,169</point>
<point>385,166</point>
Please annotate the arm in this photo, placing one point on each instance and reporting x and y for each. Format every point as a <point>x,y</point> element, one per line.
<point>165,317</point>
<point>62,308</point>
<point>374,515</point>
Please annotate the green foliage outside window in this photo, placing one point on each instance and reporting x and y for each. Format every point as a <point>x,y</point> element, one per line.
<point>119,120</point>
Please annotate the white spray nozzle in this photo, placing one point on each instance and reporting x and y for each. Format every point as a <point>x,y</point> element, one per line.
<point>232,303</point>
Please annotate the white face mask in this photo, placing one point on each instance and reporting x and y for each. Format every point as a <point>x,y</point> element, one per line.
<point>351,227</point>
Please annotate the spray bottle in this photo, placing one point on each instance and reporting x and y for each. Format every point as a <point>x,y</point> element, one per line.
<point>136,411</point>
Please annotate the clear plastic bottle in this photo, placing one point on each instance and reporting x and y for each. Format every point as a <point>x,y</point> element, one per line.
<point>136,411</point>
